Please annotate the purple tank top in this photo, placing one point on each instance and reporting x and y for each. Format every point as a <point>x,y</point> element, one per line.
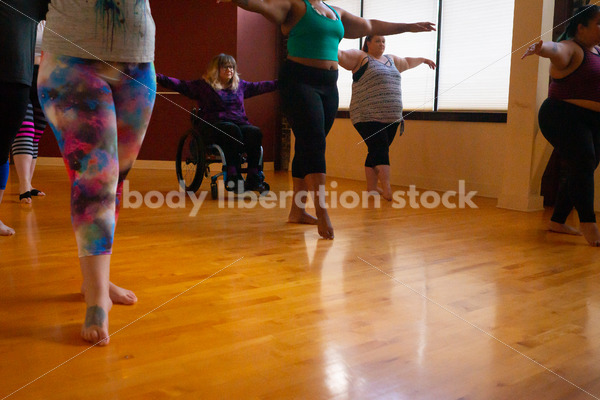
<point>581,84</point>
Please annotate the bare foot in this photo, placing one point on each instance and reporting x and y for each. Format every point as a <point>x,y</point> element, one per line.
<point>119,295</point>
<point>591,233</point>
<point>6,230</point>
<point>324,226</point>
<point>301,217</point>
<point>95,327</point>
<point>563,228</point>
<point>386,192</point>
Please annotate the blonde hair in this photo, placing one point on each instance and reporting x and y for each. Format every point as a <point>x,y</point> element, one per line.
<point>212,72</point>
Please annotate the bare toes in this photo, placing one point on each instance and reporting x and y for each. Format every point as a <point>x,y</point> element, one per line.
<point>95,326</point>
<point>119,295</point>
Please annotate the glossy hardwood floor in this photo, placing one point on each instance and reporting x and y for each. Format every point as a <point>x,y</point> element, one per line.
<point>237,304</point>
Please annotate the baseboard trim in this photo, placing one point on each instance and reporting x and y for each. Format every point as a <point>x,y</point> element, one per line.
<point>145,164</point>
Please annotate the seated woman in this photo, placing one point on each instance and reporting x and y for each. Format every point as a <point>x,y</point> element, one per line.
<point>220,95</point>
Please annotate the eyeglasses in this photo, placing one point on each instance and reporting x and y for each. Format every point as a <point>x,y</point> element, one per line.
<point>231,67</point>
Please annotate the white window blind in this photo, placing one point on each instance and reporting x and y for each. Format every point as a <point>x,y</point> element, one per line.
<point>476,41</point>
<point>418,84</point>
<point>475,54</point>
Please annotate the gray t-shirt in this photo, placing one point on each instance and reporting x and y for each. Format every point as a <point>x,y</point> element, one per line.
<point>120,31</point>
<point>18,20</point>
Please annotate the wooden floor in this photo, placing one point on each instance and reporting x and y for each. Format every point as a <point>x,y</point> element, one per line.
<point>236,304</point>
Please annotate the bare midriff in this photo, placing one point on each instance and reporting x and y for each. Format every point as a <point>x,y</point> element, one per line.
<point>311,62</point>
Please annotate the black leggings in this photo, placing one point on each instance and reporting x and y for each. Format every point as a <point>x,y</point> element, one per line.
<point>575,133</point>
<point>14,98</point>
<point>238,139</point>
<point>309,101</point>
<point>378,136</point>
<point>27,140</point>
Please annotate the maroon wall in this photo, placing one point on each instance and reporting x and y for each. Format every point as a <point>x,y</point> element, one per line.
<point>188,35</point>
<point>257,57</point>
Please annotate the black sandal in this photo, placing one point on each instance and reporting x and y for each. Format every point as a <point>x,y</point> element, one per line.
<point>26,195</point>
<point>35,192</point>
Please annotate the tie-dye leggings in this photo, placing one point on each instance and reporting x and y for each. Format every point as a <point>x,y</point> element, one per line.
<point>99,113</point>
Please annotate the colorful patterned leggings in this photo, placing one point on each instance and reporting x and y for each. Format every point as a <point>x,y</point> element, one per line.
<point>99,113</point>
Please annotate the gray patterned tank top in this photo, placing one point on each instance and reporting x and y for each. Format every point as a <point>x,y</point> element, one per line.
<point>376,93</point>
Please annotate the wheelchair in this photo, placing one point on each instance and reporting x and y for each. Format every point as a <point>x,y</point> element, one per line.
<point>195,154</point>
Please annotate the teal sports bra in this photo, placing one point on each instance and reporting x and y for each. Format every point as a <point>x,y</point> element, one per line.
<point>316,36</point>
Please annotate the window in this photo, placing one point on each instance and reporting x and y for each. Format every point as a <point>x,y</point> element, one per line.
<point>474,41</point>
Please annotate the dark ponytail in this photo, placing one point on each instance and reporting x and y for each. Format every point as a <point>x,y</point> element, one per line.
<point>582,15</point>
<point>365,47</point>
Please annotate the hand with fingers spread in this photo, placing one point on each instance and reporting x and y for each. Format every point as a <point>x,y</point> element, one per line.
<point>430,63</point>
<point>535,48</point>
<point>422,27</point>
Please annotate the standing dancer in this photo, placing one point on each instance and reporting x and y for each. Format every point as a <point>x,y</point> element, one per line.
<point>307,84</point>
<point>570,117</point>
<point>97,87</point>
<point>18,24</point>
<point>376,105</point>
<point>25,146</point>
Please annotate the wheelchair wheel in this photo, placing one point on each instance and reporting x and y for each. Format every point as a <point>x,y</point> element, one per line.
<point>190,163</point>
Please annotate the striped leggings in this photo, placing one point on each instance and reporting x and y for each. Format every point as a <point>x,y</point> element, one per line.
<point>27,139</point>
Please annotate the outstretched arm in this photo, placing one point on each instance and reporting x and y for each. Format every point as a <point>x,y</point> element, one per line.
<point>193,89</point>
<point>410,62</point>
<point>560,54</point>
<point>252,89</point>
<point>274,10</point>
<point>356,27</point>
<point>350,59</point>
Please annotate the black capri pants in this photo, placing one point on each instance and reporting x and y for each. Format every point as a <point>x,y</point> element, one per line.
<point>14,98</point>
<point>236,138</point>
<point>309,101</point>
<point>575,132</point>
<point>378,136</point>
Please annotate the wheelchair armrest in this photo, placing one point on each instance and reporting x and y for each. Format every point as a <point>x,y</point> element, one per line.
<point>195,116</point>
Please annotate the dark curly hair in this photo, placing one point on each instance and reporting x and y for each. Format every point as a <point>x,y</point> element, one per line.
<point>582,15</point>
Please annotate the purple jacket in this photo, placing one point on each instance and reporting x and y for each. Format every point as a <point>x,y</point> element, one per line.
<point>218,105</point>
